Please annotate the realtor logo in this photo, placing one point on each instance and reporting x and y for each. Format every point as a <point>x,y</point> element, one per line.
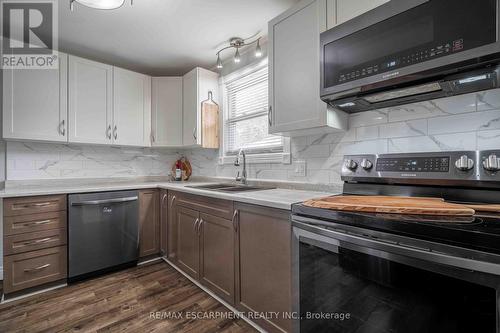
<point>29,34</point>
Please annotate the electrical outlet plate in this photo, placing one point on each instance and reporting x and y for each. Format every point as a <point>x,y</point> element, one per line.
<point>299,168</point>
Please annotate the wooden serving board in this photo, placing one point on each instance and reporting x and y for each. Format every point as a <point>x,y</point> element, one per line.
<point>210,125</point>
<point>485,208</point>
<point>391,205</point>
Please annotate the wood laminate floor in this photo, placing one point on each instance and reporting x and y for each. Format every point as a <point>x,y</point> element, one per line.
<point>122,302</point>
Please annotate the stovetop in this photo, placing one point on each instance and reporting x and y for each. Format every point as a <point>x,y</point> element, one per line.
<point>479,232</point>
<point>462,176</point>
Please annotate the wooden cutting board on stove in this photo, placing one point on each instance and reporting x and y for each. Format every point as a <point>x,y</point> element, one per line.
<point>391,205</point>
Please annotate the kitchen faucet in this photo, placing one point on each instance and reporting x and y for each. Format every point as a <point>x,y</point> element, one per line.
<point>243,177</point>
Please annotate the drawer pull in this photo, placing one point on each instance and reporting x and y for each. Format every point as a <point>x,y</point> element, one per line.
<point>36,223</point>
<point>35,269</point>
<point>37,204</point>
<point>39,241</point>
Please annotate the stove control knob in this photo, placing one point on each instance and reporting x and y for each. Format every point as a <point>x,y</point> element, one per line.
<point>366,164</point>
<point>492,163</point>
<point>351,165</point>
<point>464,163</point>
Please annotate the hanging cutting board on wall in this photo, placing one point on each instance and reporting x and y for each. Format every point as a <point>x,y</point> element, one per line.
<point>210,123</point>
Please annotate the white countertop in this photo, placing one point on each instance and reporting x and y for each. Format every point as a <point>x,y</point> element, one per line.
<point>276,198</point>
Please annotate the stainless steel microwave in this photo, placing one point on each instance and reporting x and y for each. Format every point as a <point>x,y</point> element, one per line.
<point>409,50</point>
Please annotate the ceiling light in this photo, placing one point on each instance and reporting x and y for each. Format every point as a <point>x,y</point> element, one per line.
<point>237,43</point>
<point>258,49</point>
<point>100,4</point>
<point>219,62</point>
<point>237,57</point>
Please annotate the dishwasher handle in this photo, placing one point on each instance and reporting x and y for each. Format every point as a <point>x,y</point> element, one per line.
<point>106,201</point>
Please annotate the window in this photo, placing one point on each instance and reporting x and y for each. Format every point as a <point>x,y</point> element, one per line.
<point>246,118</point>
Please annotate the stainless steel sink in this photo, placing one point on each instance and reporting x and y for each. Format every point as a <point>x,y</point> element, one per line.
<point>245,188</point>
<point>231,187</point>
<point>211,186</point>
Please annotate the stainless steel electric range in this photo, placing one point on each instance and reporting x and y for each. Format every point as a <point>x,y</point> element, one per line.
<point>376,272</point>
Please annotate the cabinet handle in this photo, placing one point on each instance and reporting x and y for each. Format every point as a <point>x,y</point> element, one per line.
<point>269,115</point>
<point>172,201</point>
<point>199,227</point>
<point>28,270</point>
<point>35,242</point>
<point>194,134</point>
<point>163,199</point>
<point>153,139</point>
<point>235,220</point>
<point>37,204</point>
<point>62,128</point>
<point>108,132</point>
<point>115,132</point>
<point>195,226</point>
<point>36,223</point>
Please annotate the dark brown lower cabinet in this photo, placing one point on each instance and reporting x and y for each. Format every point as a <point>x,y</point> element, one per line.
<point>171,226</point>
<point>246,261</point>
<point>34,242</point>
<point>149,222</point>
<point>263,282</point>
<point>188,242</point>
<point>163,221</point>
<point>205,241</point>
<point>217,243</point>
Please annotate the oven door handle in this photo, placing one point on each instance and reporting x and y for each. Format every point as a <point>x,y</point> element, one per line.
<point>384,249</point>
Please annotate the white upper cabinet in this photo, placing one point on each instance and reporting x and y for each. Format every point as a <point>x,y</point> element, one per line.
<point>294,73</point>
<point>344,10</point>
<point>131,108</point>
<point>108,105</point>
<point>166,122</point>
<point>90,101</point>
<point>196,86</point>
<point>35,103</point>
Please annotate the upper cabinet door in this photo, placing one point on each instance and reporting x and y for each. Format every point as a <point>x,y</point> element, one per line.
<point>196,86</point>
<point>295,106</point>
<point>131,108</point>
<point>294,78</point>
<point>166,124</point>
<point>35,103</point>
<point>90,101</point>
<point>348,9</point>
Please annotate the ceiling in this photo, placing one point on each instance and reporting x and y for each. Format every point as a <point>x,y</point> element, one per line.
<point>163,37</point>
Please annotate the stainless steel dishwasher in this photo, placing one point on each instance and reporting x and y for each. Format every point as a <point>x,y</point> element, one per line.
<point>103,232</point>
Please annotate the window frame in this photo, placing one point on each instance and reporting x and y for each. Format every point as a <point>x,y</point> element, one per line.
<point>282,157</point>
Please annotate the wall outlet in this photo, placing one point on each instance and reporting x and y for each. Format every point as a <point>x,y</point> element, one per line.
<point>299,168</point>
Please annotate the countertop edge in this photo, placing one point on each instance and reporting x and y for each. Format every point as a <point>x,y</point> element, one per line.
<point>248,197</point>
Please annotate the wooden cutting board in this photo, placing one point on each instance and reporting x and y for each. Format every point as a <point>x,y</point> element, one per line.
<point>210,125</point>
<point>485,208</point>
<point>391,205</point>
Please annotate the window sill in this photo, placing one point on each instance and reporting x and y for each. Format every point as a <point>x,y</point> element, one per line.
<point>272,158</point>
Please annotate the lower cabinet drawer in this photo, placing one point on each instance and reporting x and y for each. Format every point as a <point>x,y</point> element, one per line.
<point>34,205</point>
<point>34,241</point>
<point>35,268</point>
<point>34,222</point>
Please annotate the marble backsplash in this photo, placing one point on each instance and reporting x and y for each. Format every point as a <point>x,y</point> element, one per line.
<point>31,160</point>
<point>465,122</point>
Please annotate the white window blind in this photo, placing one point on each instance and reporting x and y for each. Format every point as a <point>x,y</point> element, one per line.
<point>247,118</point>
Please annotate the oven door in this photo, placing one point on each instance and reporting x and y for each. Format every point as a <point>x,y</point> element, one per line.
<point>405,37</point>
<point>347,283</point>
